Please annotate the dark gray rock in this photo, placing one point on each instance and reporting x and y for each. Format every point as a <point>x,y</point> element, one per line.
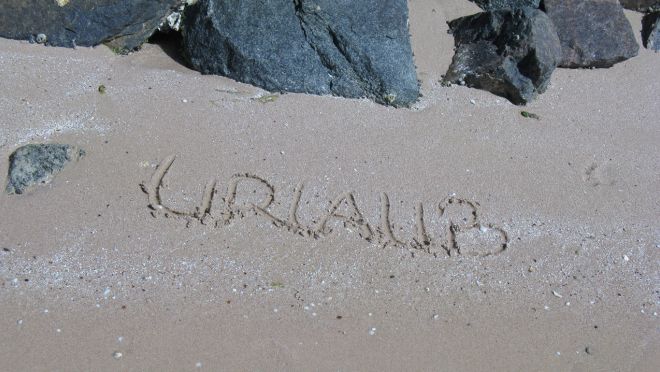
<point>508,53</point>
<point>125,24</point>
<point>593,33</point>
<point>347,48</point>
<point>651,31</point>
<point>506,4</point>
<point>641,5</point>
<point>38,163</point>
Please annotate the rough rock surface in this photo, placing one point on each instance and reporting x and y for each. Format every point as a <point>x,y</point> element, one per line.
<point>38,163</point>
<point>125,24</point>
<point>343,47</point>
<point>641,5</point>
<point>506,4</point>
<point>593,33</point>
<point>508,53</point>
<point>651,31</point>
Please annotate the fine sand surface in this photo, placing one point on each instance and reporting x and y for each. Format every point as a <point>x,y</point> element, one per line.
<point>558,271</point>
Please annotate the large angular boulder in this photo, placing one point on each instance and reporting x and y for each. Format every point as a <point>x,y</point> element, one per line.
<point>38,164</point>
<point>593,33</point>
<point>343,47</point>
<point>125,24</point>
<point>641,5</point>
<point>651,31</point>
<point>506,4</point>
<point>511,53</point>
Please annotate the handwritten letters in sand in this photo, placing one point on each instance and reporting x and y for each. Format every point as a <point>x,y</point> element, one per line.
<point>463,233</point>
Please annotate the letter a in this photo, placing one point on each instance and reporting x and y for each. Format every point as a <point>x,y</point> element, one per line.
<point>355,218</point>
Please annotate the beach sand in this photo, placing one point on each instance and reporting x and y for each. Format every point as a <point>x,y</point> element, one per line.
<point>552,224</point>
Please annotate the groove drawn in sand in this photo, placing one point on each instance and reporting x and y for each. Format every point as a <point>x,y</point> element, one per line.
<point>464,233</point>
<point>452,246</point>
<point>595,175</point>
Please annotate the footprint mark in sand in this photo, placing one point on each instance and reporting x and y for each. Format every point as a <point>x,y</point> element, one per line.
<point>599,175</point>
<point>590,175</point>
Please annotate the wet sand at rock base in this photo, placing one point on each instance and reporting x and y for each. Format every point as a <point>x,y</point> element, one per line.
<point>538,246</point>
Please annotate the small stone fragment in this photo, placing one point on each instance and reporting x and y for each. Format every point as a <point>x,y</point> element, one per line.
<point>529,115</point>
<point>593,33</point>
<point>508,53</point>
<point>102,89</point>
<point>651,31</point>
<point>38,163</point>
<point>117,355</point>
<point>41,39</point>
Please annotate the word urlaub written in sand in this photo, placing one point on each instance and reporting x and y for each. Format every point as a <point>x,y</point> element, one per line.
<point>466,228</point>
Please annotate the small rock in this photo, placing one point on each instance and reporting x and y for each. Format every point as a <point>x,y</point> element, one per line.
<point>593,33</point>
<point>509,53</point>
<point>117,355</point>
<point>506,4</point>
<point>41,39</point>
<point>529,115</point>
<point>651,31</point>
<point>38,163</point>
